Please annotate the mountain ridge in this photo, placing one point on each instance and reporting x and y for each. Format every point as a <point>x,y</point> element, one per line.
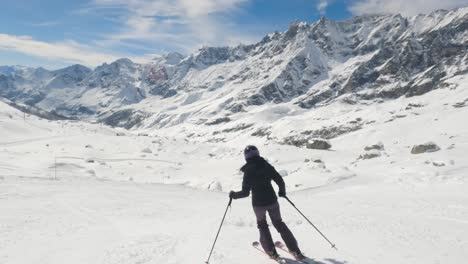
<point>363,59</point>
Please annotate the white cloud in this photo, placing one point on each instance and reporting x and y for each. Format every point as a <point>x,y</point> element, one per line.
<point>67,51</point>
<point>182,24</point>
<point>46,24</point>
<point>141,26</point>
<point>404,7</point>
<point>205,7</point>
<point>189,8</point>
<point>322,6</point>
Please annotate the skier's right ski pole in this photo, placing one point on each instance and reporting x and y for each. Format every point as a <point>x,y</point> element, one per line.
<point>219,230</point>
<point>332,245</point>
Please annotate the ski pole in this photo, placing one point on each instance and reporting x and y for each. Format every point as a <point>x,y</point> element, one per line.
<point>332,245</point>
<point>219,230</point>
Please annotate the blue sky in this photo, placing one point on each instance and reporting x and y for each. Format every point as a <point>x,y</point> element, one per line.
<point>56,33</point>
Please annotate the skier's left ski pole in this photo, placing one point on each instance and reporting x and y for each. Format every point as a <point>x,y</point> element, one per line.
<point>219,230</point>
<point>332,245</point>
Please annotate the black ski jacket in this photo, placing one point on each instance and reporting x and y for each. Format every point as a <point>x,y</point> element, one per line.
<point>258,174</point>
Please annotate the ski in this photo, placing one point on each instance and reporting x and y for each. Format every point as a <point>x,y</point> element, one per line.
<point>282,247</point>
<point>279,259</point>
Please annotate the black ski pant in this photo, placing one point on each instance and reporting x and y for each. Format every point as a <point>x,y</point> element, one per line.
<point>265,236</point>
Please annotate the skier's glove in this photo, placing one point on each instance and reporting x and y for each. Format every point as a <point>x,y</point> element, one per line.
<point>231,195</point>
<point>282,193</point>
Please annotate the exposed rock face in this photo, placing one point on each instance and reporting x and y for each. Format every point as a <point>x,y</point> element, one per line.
<point>308,142</point>
<point>234,129</point>
<point>438,164</point>
<point>371,154</point>
<point>128,118</point>
<point>401,49</point>
<point>262,132</point>
<point>318,144</point>
<point>332,131</point>
<point>461,104</point>
<point>218,121</point>
<point>378,146</point>
<point>424,148</point>
<point>147,150</point>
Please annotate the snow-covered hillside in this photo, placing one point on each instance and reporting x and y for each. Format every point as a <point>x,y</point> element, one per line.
<point>398,124</point>
<point>79,192</point>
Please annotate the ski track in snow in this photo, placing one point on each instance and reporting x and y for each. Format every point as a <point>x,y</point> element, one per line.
<point>26,141</point>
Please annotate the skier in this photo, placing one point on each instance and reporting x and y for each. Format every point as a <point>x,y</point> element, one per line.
<point>258,174</point>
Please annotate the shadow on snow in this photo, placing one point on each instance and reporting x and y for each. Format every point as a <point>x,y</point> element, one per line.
<point>312,261</point>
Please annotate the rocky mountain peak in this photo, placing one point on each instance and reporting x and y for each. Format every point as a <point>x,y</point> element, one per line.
<point>208,56</point>
<point>7,70</point>
<point>76,69</point>
<point>123,62</point>
<point>294,28</point>
<point>173,58</point>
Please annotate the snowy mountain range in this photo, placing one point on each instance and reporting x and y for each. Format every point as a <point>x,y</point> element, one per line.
<point>363,60</point>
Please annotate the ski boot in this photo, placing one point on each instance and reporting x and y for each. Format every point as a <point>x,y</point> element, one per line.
<point>273,254</point>
<point>298,255</point>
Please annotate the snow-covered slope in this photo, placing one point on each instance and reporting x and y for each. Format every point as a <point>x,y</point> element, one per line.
<point>78,192</point>
<point>398,124</point>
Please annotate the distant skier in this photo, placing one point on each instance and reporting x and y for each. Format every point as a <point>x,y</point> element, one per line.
<point>258,174</point>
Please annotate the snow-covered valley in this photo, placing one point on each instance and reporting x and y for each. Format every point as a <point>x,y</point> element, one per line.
<point>77,192</point>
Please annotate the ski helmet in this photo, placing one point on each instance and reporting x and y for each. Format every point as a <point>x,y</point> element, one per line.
<point>251,151</point>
